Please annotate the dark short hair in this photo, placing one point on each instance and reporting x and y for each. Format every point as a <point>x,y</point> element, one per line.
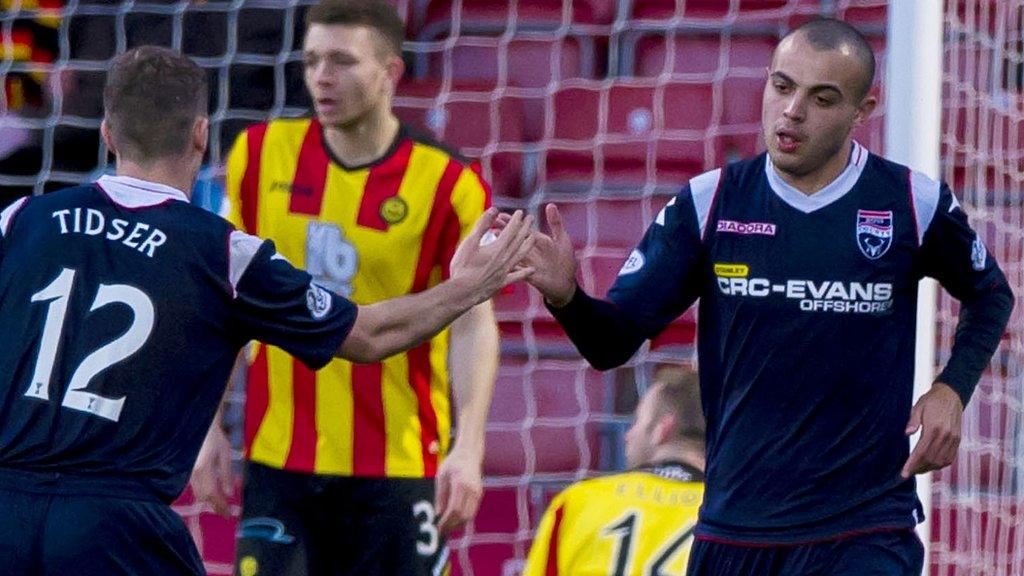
<point>830,34</point>
<point>679,395</point>
<point>374,14</point>
<point>151,101</point>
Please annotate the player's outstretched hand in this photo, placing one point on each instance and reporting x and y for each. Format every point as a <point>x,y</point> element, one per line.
<point>937,414</point>
<point>458,489</point>
<point>554,261</point>
<point>490,264</point>
<point>212,478</point>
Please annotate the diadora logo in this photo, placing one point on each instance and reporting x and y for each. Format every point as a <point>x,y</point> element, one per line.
<point>874,232</point>
<point>733,227</point>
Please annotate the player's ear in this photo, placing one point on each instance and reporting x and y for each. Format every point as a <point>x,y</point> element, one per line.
<point>866,107</point>
<point>107,138</point>
<point>201,134</point>
<point>396,69</point>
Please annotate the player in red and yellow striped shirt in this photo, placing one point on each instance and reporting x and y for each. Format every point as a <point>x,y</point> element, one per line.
<point>342,463</point>
<point>639,522</point>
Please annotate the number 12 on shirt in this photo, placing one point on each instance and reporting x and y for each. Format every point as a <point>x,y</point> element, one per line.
<point>57,295</point>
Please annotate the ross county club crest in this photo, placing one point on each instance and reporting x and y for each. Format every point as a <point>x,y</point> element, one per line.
<point>874,232</point>
<point>318,301</point>
<point>978,253</point>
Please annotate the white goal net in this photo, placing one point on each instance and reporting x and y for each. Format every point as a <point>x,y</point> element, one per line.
<point>604,107</point>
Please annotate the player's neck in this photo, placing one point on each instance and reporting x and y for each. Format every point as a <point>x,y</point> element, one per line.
<point>684,454</point>
<point>813,182</point>
<point>364,142</point>
<point>173,174</point>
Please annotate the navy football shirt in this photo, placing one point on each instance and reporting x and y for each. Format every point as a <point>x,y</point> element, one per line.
<point>124,308</point>
<point>806,335</point>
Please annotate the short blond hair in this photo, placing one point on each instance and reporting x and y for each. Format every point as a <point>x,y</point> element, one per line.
<point>678,391</point>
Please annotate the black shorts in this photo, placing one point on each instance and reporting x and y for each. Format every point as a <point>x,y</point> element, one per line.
<point>887,553</point>
<point>54,535</point>
<point>297,524</point>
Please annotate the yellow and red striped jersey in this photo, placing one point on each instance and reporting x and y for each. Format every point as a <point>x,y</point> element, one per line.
<point>635,523</point>
<point>370,233</point>
<point>32,38</point>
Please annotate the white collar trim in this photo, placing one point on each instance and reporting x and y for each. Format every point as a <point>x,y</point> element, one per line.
<point>827,195</point>
<point>136,193</point>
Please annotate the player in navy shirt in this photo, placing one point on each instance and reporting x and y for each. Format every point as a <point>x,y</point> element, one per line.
<point>124,308</point>
<point>806,261</point>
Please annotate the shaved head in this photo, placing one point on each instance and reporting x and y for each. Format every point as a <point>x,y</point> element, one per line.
<point>831,34</point>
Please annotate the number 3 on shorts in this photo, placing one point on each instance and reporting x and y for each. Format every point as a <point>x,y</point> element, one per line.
<point>423,511</point>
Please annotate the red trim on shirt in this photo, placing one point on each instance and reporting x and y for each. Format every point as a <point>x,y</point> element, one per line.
<point>436,237</point>
<point>840,536</point>
<point>249,188</point>
<point>368,444</point>
<point>383,182</point>
<point>257,396</point>
<point>302,452</point>
<point>552,567</point>
<point>307,193</point>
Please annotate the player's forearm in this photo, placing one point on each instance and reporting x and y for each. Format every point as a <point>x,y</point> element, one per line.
<point>978,331</point>
<point>237,378</point>
<point>605,335</point>
<point>473,358</point>
<point>386,328</point>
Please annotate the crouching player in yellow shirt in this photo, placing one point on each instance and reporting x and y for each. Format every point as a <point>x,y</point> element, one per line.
<point>639,522</point>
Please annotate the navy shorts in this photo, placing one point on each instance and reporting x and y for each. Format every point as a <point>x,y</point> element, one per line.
<point>296,524</point>
<point>890,553</point>
<point>56,534</point>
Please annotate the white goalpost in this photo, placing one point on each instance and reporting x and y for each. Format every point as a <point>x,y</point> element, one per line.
<point>913,104</point>
<point>577,102</point>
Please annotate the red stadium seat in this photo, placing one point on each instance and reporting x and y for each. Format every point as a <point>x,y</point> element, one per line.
<point>520,63</point>
<point>600,272</point>
<point>528,62</point>
<point>964,528</point>
<point>616,223</point>
<point>499,512</point>
<point>488,559</point>
<point>741,100</point>
<point>482,120</point>
<point>482,117</point>
<point>870,19</point>
<point>639,141</point>
<point>512,302</point>
<point>549,389</point>
<point>716,10</point>
<point>509,404</point>
<point>499,515</point>
<point>554,391</point>
<point>701,53</point>
<point>214,535</point>
<point>562,451</point>
<point>493,16</point>
<point>505,454</point>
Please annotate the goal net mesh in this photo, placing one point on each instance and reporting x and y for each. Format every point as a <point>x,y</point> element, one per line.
<point>604,107</point>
